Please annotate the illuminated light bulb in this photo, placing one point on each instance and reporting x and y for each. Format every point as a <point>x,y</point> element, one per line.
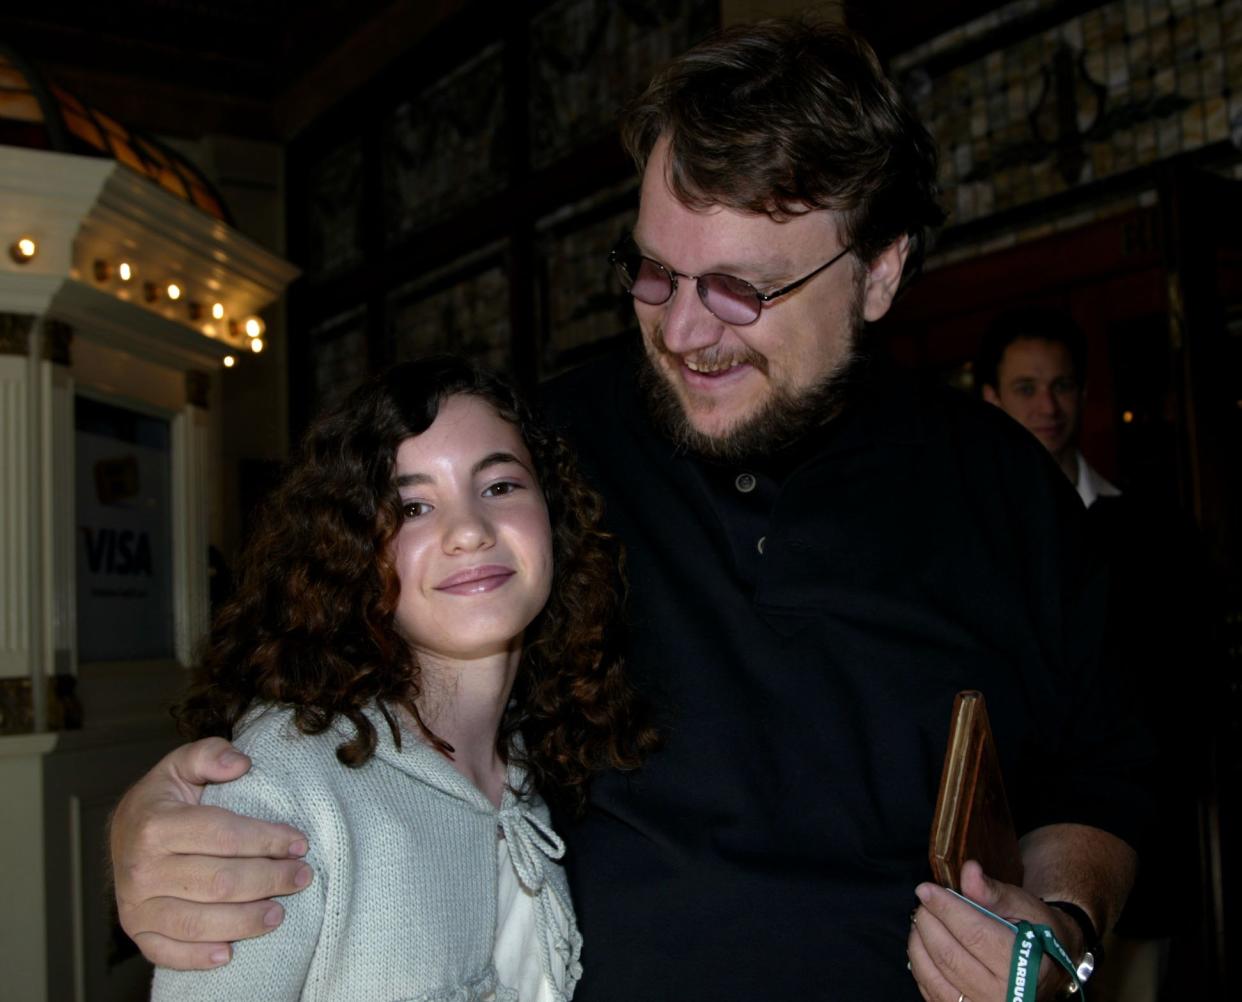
<point>124,271</point>
<point>1127,416</point>
<point>174,290</point>
<point>256,345</point>
<point>217,311</point>
<point>253,326</point>
<point>23,249</point>
<point>229,361</point>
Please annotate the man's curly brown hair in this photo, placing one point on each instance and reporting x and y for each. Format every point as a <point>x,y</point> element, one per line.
<point>311,625</point>
<point>784,115</point>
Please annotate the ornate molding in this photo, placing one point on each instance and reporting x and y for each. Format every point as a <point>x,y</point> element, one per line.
<point>15,333</point>
<point>85,209</point>
<point>16,716</point>
<point>16,708</point>
<point>57,340</point>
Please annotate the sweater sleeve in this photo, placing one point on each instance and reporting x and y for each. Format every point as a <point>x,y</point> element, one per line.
<point>273,967</point>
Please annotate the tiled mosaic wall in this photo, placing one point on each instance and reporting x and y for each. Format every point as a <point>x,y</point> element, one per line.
<point>1114,88</point>
<point>587,57</point>
<point>420,151</point>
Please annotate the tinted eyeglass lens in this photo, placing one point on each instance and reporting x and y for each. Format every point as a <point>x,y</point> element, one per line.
<point>646,281</point>
<point>731,299</point>
<point>652,284</point>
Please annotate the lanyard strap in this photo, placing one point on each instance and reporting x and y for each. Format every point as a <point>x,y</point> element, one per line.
<point>1031,942</point>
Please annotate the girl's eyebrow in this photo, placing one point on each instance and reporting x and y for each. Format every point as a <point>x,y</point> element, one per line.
<point>497,459</point>
<point>491,459</point>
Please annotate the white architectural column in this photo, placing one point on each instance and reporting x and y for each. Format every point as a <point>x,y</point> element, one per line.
<point>60,526</point>
<point>15,498</point>
<point>53,527</point>
<point>36,518</point>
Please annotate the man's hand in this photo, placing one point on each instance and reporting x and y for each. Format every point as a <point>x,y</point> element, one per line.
<point>190,877</point>
<point>955,951</point>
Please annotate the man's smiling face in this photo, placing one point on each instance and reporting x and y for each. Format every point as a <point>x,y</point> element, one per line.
<point>736,388</point>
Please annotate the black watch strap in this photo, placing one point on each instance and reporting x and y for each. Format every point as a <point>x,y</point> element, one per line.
<point>1090,944</point>
<point>1090,936</point>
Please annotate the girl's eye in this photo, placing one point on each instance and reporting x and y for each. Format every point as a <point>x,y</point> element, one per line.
<point>501,488</point>
<point>413,509</point>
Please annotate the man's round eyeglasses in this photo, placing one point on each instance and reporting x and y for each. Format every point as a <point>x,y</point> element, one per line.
<point>731,299</point>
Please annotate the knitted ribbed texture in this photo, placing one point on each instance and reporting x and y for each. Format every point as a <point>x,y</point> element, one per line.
<point>403,904</point>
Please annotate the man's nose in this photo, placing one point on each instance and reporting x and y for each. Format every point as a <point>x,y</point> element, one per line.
<point>1048,402</point>
<point>688,325</point>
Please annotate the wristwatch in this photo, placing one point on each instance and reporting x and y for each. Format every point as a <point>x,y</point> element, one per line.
<point>1090,942</point>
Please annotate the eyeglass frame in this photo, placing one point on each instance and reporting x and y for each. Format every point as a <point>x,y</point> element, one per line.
<point>763,298</point>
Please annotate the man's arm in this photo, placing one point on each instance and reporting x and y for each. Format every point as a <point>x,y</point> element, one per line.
<point>190,878</point>
<point>955,951</point>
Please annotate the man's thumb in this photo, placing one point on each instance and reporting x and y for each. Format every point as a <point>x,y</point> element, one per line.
<point>210,760</point>
<point>981,888</point>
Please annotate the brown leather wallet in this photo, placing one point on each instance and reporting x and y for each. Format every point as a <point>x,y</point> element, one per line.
<point>972,819</point>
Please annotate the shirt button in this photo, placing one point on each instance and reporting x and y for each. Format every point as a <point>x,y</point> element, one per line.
<point>759,545</point>
<point>745,482</point>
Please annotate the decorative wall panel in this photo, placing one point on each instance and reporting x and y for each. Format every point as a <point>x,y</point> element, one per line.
<point>467,316</point>
<point>587,57</point>
<point>580,300</point>
<point>339,347</point>
<point>1125,84</point>
<point>445,147</point>
<point>334,212</point>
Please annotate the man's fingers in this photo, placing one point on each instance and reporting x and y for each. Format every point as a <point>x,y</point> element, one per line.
<point>984,938</point>
<point>205,925</point>
<point>955,962</point>
<point>182,956</point>
<point>932,985</point>
<point>204,830</point>
<point>215,880</point>
<point>161,815</point>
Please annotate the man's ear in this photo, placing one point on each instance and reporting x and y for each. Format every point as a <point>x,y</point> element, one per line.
<point>883,278</point>
<point>990,395</point>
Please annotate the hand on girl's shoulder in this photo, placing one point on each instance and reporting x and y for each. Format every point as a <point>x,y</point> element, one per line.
<point>285,768</point>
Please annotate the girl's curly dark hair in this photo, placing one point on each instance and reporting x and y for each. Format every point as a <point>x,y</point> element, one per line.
<point>311,625</point>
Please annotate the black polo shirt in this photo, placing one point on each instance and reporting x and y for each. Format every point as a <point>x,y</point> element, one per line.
<point>802,623</point>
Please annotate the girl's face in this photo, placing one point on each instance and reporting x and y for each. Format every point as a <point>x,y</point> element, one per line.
<point>474,555</point>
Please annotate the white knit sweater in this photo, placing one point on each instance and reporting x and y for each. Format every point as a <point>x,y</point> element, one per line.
<point>404,849</point>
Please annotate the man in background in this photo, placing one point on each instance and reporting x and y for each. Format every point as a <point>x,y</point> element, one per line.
<point>1032,364</point>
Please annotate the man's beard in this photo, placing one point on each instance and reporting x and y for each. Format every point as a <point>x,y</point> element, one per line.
<point>786,417</point>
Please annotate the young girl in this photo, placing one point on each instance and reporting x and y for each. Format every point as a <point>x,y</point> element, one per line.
<point>421,639</point>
